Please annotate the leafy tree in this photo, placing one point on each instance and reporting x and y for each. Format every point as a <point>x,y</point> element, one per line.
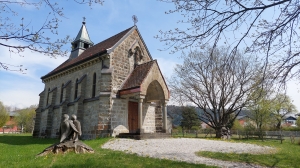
<point>25,117</point>
<point>260,107</point>
<point>237,125</point>
<point>4,116</point>
<point>219,84</point>
<point>17,37</point>
<point>298,122</point>
<point>189,117</point>
<point>282,106</point>
<point>262,27</point>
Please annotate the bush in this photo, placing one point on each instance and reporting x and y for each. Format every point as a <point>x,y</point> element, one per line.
<point>237,126</point>
<point>195,128</point>
<point>249,127</point>
<point>291,128</point>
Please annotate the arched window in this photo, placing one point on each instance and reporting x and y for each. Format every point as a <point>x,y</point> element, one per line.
<point>47,102</point>
<point>94,85</point>
<point>62,92</point>
<point>76,89</point>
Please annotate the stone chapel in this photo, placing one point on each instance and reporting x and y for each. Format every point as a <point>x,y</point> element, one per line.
<point>113,87</point>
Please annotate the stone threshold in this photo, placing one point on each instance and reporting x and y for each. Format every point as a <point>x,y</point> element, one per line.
<point>141,136</point>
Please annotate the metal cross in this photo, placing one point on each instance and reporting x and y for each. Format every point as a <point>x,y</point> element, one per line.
<point>135,19</point>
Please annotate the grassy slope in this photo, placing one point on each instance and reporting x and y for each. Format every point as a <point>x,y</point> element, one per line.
<point>21,150</point>
<point>287,155</point>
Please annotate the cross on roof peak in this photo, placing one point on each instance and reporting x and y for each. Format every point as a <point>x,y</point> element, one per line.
<point>83,20</point>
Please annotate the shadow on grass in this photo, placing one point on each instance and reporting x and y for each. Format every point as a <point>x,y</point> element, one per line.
<point>24,140</point>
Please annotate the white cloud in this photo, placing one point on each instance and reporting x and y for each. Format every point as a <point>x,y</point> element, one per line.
<point>166,66</point>
<point>22,90</point>
<point>293,90</point>
<point>20,98</point>
<point>32,61</point>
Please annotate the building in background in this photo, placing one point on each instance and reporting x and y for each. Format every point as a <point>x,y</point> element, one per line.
<point>11,125</point>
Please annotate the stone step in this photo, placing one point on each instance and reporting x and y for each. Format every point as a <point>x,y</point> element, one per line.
<point>144,135</point>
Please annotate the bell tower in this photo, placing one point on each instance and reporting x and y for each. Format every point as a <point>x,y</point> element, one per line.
<point>81,42</point>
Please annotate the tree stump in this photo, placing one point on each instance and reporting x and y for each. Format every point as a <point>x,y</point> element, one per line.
<point>67,146</point>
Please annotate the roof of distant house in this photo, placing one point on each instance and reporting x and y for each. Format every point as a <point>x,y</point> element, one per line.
<point>290,118</point>
<point>13,113</point>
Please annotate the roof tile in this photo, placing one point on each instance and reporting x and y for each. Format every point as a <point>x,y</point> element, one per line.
<point>88,53</point>
<point>137,76</point>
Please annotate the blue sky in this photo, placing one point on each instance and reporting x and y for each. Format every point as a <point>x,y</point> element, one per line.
<point>114,16</point>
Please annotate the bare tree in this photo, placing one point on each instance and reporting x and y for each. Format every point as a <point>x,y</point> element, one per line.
<point>18,37</point>
<point>264,27</point>
<point>219,84</point>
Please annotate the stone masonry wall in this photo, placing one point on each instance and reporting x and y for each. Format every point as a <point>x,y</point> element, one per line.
<point>43,125</point>
<point>36,131</point>
<point>119,113</point>
<point>158,119</point>
<point>84,91</point>
<point>90,120</point>
<point>120,59</point>
<point>148,118</point>
<point>56,120</point>
<point>89,71</point>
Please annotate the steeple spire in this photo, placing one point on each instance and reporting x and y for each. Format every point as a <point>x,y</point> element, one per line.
<point>81,42</point>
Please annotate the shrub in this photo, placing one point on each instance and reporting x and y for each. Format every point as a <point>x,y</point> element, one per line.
<point>237,126</point>
<point>195,128</point>
<point>291,128</point>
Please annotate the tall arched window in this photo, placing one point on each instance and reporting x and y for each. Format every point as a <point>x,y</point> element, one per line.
<point>62,92</point>
<point>76,89</point>
<point>47,102</point>
<point>94,85</point>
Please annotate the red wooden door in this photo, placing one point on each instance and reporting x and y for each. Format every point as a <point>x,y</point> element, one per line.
<point>133,117</point>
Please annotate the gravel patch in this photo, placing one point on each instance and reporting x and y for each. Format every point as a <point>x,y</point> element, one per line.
<point>183,149</point>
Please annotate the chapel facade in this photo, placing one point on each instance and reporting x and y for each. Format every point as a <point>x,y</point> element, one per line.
<point>112,87</point>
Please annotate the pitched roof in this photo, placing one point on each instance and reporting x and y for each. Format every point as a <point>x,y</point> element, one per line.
<point>91,52</point>
<point>290,118</point>
<point>138,75</point>
<point>83,34</point>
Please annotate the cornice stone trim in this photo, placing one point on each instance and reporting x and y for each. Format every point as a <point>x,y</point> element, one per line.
<point>105,94</point>
<point>91,99</point>
<point>106,70</point>
<point>73,69</point>
<point>65,85</point>
<point>46,107</point>
<point>80,80</point>
<point>73,102</point>
<point>42,92</point>
<point>52,89</point>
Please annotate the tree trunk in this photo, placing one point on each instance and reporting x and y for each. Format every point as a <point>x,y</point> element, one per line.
<point>218,132</point>
<point>68,146</point>
<point>278,125</point>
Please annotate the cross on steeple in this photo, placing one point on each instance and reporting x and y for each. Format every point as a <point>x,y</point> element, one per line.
<point>83,20</point>
<point>81,42</point>
<point>135,19</point>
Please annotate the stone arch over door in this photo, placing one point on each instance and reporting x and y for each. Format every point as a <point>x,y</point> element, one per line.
<point>154,92</point>
<point>154,80</point>
<point>147,86</point>
<point>155,95</point>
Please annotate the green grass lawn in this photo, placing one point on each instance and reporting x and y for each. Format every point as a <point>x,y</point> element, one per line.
<point>287,155</point>
<point>20,150</point>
